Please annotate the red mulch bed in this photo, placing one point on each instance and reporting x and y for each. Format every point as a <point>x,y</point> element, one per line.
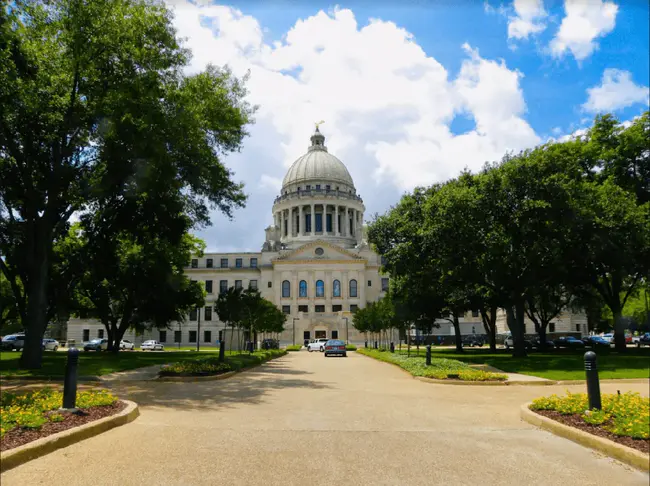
<point>576,421</point>
<point>18,436</point>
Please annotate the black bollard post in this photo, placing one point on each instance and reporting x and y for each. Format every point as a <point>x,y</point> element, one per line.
<point>428,355</point>
<point>222,351</point>
<point>70,380</point>
<point>392,347</point>
<point>593,385</point>
<point>376,346</point>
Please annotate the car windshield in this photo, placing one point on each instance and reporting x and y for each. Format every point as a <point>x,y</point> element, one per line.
<point>334,342</point>
<point>10,338</point>
<point>96,341</point>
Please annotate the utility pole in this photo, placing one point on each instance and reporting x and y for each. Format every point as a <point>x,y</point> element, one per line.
<point>198,331</point>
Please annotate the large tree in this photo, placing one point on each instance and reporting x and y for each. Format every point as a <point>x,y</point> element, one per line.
<point>94,107</point>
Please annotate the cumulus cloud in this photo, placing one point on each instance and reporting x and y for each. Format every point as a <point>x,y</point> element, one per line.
<point>616,91</point>
<point>584,22</point>
<point>528,19</point>
<point>387,105</point>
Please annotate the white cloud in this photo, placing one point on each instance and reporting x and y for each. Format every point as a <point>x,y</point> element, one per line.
<point>585,21</point>
<point>529,19</point>
<point>616,91</point>
<point>387,105</point>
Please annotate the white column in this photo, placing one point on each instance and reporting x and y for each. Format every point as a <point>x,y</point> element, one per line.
<point>348,223</point>
<point>290,221</point>
<point>313,219</point>
<point>336,220</point>
<point>301,222</point>
<point>282,224</point>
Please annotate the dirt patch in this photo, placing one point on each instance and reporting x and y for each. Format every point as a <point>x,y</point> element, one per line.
<point>18,436</point>
<point>576,421</point>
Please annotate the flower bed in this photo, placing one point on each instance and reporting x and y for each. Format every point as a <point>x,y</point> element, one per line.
<point>210,366</point>
<point>624,418</point>
<point>37,410</point>
<point>440,369</point>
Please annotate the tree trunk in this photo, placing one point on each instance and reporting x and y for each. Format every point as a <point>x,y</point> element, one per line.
<point>490,325</point>
<point>515,318</point>
<point>542,336</point>
<point>459,337</point>
<point>37,302</point>
<point>619,331</point>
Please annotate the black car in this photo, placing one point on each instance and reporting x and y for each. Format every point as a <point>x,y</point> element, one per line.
<point>270,344</point>
<point>472,341</point>
<point>537,344</point>
<point>569,342</point>
<point>597,342</point>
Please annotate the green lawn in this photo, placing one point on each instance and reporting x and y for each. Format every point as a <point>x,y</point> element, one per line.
<point>554,365</point>
<point>97,364</point>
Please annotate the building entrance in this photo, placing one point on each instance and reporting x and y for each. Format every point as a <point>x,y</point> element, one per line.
<point>320,334</point>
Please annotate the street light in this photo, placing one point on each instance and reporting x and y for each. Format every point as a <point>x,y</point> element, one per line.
<point>294,330</point>
<point>347,332</point>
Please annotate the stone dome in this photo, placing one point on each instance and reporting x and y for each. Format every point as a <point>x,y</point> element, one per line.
<point>317,165</point>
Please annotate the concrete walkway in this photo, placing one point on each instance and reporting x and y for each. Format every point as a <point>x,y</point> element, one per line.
<point>306,419</point>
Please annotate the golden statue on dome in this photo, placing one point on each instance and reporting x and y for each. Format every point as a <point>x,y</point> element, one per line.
<point>318,124</point>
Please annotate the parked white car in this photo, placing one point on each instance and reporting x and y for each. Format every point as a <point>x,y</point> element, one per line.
<point>317,345</point>
<point>50,344</point>
<point>151,345</point>
<point>126,344</point>
<point>609,337</point>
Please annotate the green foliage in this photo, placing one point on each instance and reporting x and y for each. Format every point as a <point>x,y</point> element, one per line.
<point>440,368</point>
<point>350,347</point>
<point>205,366</point>
<point>294,347</point>
<point>627,414</point>
<point>33,409</point>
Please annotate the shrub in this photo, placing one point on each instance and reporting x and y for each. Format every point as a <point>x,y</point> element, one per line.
<point>440,369</point>
<point>33,409</point>
<point>196,367</point>
<point>350,347</point>
<point>626,415</point>
<point>294,347</point>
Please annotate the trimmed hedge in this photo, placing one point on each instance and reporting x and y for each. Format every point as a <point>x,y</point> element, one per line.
<point>211,366</point>
<point>294,347</point>
<point>350,347</point>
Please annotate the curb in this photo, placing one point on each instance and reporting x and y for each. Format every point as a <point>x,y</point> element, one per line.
<point>47,378</point>
<point>461,382</point>
<point>41,447</point>
<point>610,448</point>
<point>609,380</point>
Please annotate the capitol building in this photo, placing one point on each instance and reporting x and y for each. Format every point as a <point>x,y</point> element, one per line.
<point>315,265</point>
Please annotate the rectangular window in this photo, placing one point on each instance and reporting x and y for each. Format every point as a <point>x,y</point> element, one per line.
<point>286,309</point>
<point>238,262</point>
<point>383,260</point>
<point>328,223</point>
<point>475,313</point>
<point>207,336</point>
<point>253,262</point>
<point>369,283</point>
<point>208,286</point>
<point>335,334</point>
<point>353,307</point>
<point>308,187</point>
<point>195,263</point>
<point>86,335</point>
<point>337,308</point>
<point>224,263</point>
<point>193,315</point>
<point>238,284</point>
<point>578,327</point>
<point>209,263</point>
<point>318,187</point>
<point>327,188</point>
<point>252,285</point>
<point>551,327</point>
<point>303,308</point>
<point>319,222</point>
<point>207,313</point>
<point>270,284</point>
<point>223,286</point>
<point>192,336</point>
<point>177,336</point>
<point>100,333</point>
<point>308,223</point>
<point>306,335</point>
<point>384,285</point>
<point>162,336</point>
<point>320,308</point>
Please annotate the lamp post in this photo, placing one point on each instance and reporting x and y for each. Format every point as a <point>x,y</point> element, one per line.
<point>347,332</point>
<point>294,329</point>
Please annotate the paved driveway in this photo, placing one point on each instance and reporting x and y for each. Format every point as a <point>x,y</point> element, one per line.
<point>305,420</point>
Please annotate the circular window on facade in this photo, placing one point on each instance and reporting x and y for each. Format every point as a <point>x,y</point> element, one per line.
<point>319,251</point>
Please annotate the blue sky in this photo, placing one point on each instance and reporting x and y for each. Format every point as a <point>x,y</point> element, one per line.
<point>427,89</point>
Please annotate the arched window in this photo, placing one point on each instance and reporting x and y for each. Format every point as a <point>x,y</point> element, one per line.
<point>336,288</point>
<point>302,289</point>
<point>320,288</point>
<point>353,288</point>
<point>286,289</point>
